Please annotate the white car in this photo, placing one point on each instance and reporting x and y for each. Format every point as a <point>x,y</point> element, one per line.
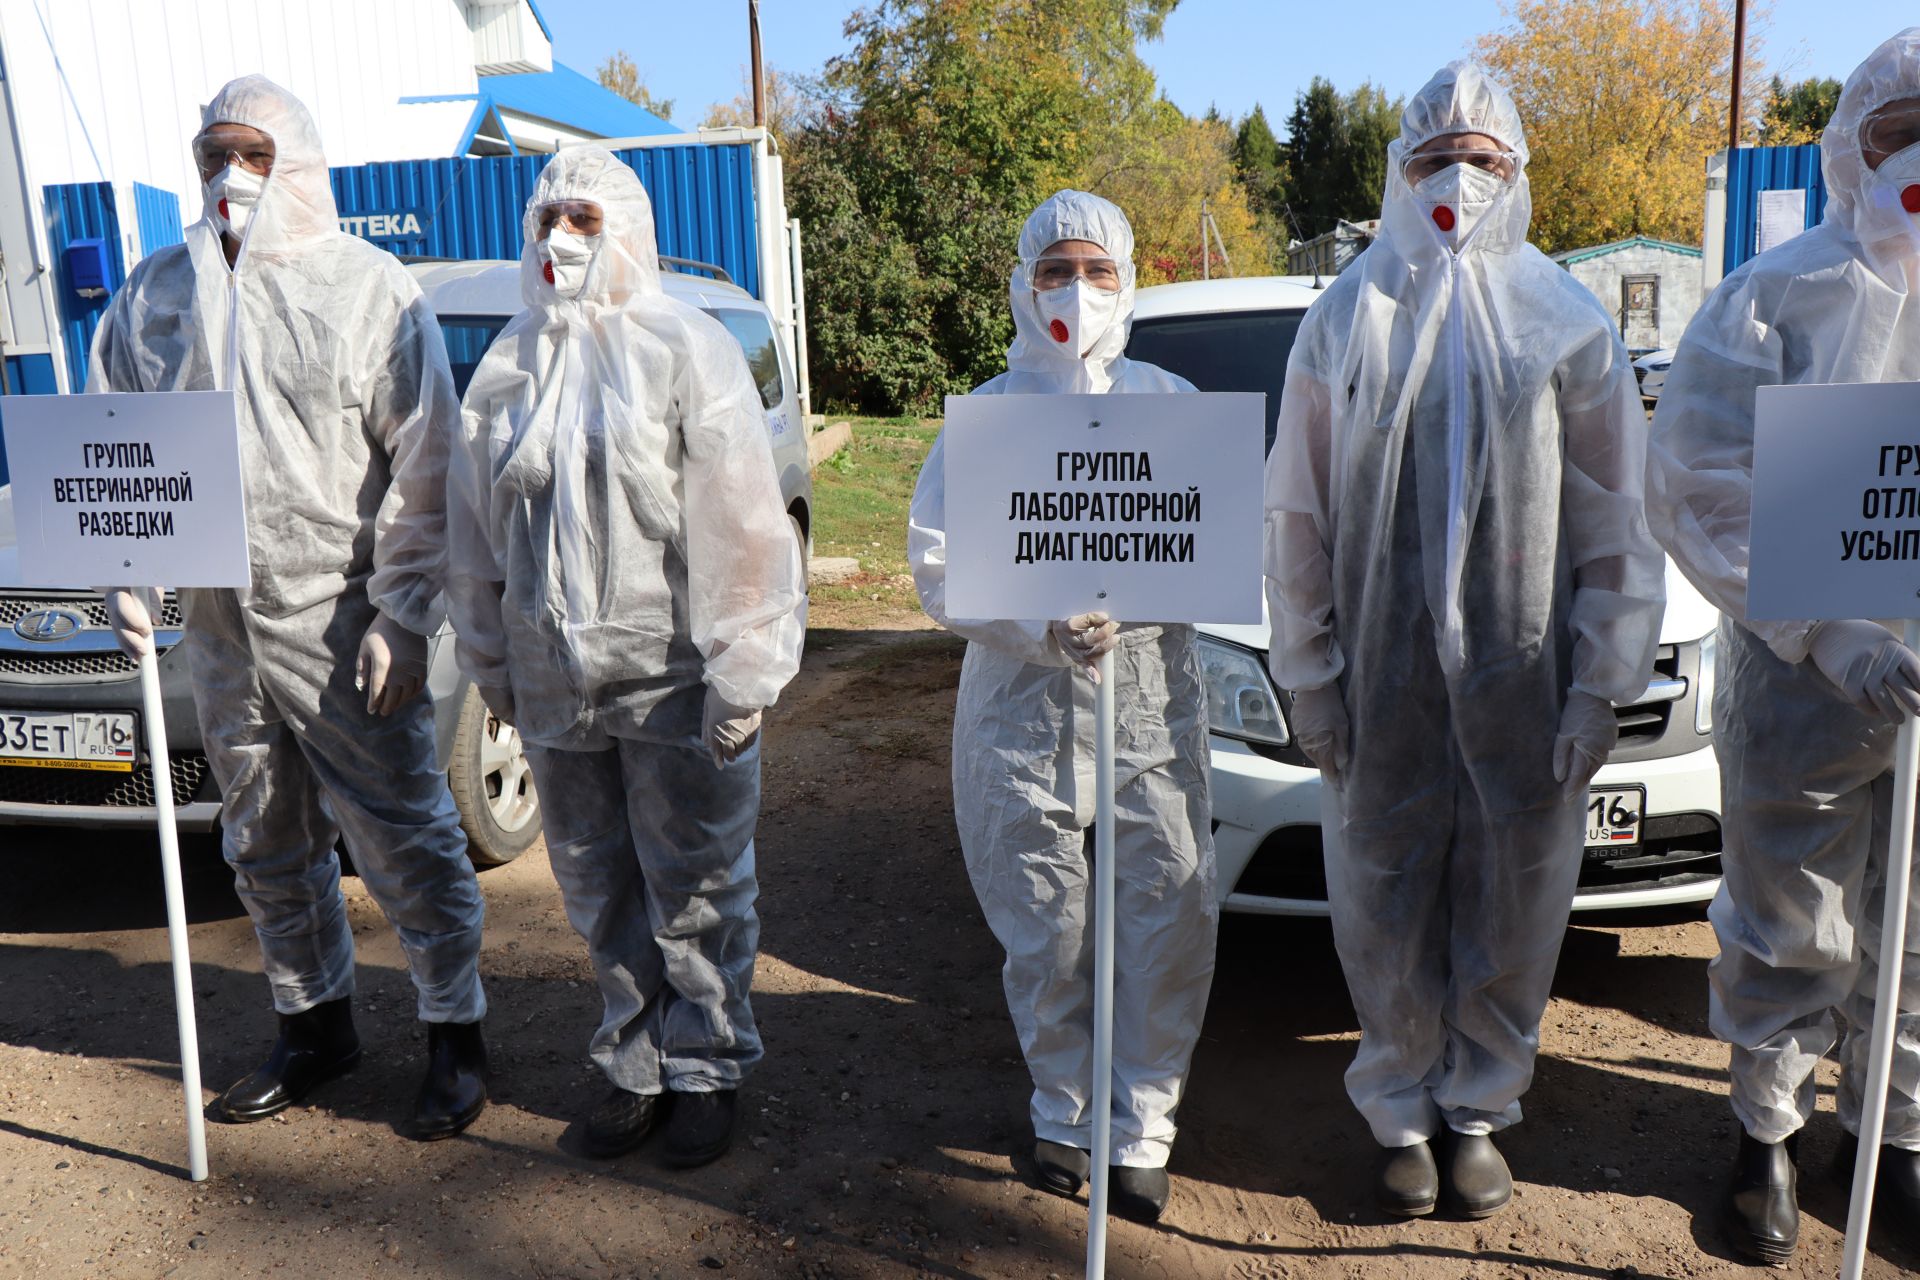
<point>1651,369</point>
<point>1653,832</point>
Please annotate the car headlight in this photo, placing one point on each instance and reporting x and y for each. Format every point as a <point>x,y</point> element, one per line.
<point>1703,695</point>
<point>1241,702</point>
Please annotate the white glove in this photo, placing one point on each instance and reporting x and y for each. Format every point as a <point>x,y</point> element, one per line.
<point>729,730</point>
<point>1588,730</point>
<point>392,665</point>
<point>1085,637</point>
<point>1320,727</point>
<point>499,701</point>
<point>130,612</point>
<point>1870,667</point>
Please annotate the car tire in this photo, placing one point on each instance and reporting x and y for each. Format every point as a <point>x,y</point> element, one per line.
<point>492,786</point>
<point>800,535</point>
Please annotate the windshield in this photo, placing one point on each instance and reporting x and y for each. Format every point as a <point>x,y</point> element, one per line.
<point>1224,351</point>
<point>468,338</point>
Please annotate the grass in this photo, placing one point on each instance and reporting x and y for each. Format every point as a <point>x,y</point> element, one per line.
<point>860,497</point>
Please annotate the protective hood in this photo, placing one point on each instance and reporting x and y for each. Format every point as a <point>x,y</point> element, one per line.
<point>627,264</point>
<point>1036,363</point>
<point>296,209</point>
<point>1461,98</point>
<point>1859,202</point>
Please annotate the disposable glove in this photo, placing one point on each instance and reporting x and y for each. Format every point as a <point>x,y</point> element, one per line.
<point>392,665</point>
<point>1588,730</point>
<point>1320,727</point>
<point>1870,667</point>
<point>729,730</point>
<point>130,612</point>
<point>1085,637</point>
<point>499,701</point>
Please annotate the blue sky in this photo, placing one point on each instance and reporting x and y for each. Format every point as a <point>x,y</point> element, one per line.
<point>1229,52</point>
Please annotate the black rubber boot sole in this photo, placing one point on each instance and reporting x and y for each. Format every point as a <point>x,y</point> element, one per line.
<point>445,1126</point>
<point>251,1115</point>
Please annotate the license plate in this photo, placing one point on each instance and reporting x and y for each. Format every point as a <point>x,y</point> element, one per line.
<point>1613,816</point>
<point>67,740</point>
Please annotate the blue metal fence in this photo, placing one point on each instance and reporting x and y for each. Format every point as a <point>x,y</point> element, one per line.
<point>158,213</point>
<point>471,207</point>
<point>80,211</point>
<point>1752,170</point>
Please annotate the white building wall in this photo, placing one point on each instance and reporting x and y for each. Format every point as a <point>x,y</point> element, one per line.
<point>1680,284</point>
<point>112,89</point>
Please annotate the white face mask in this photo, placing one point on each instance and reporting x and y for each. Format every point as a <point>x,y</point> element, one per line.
<point>1077,316</point>
<point>568,256</point>
<point>1897,182</point>
<point>1458,199</point>
<point>235,193</point>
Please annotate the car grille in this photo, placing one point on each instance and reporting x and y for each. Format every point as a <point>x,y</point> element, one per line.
<point>57,664</point>
<point>1658,727</point>
<point>67,664</point>
<point>15,607</point>
<point>86,788</point>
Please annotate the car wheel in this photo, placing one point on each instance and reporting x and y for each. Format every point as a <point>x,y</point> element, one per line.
<point>492,786</point>
<point>800,535</point>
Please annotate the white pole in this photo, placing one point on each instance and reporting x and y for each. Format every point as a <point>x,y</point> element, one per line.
<point>1102,972</point>
<point>1886,1000</point>
<point>176,918</point>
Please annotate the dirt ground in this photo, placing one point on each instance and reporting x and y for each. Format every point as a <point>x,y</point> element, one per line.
<point>876,1139</point>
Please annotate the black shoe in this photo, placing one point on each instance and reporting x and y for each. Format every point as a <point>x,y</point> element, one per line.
<point>699,1128</point>
<point>1059,1168</point>
<point>1475,1175</point>
<point>620,1123</point>
<point>1408,1183</point>
<point>1762,1215</point>
<point>455,1090</point>
<point>1138,1195</point>
<point>315,1045</point>
<point>1896,1189</point>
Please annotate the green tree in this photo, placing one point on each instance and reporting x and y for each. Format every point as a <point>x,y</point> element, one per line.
<point>619,74</point>
<point>1259,163</point>
<point>1798,114</point>
<point>1336,155</point>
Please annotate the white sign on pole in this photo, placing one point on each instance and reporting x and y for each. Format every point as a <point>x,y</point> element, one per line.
<point>1836,534</point>
<point>1783,215</point>
<point>1143,507</point>
<point>134,490</point>
<point>1836,502</point>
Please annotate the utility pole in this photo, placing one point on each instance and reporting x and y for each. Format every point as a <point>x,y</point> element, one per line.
<point>1206,249</point>
<point>759,86</point>
<point>1739,59</point>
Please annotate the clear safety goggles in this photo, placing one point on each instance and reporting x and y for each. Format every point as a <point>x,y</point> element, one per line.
<point>1891,129</point>
<point>1050,273</point>
<point>1421,165</point>
<point>214,152</point>
<point>580,217</point>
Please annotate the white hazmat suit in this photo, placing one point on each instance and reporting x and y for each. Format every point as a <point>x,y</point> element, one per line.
<point>347,413</point>
<point>1806,774</point>
<point>621,560</point>
<point>1456,548</point>
<point>1023,784</point>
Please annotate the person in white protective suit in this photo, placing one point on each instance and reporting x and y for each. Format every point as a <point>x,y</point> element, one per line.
<point>1805,713</point>
<point>1023,762</point>
<point>1462,585</point>
<point>628,591</point>
<point>305,681</point>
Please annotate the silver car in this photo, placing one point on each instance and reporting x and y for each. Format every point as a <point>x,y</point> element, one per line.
<point>63,678</point>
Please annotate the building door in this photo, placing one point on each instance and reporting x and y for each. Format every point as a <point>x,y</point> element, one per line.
<point>1640,311</point>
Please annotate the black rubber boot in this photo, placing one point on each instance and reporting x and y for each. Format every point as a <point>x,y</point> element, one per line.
<point>620,1123</point>
<point>1138,1195</point>
<point>699,1128</point>
<point>1475,1175</point>
<point>1762,1215</point>
<point>315,1045</point>
<point>1059,1168</point>
<point>1896,1189</point>
<point>1408,1182</point>
<point>455,1090</point>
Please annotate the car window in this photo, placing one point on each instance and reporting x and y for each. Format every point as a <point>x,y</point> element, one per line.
<point>468,338</point>
<point>755,336</point>
<point>1226,351</point>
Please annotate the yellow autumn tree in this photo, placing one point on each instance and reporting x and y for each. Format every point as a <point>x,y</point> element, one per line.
<point>1623,101</point>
